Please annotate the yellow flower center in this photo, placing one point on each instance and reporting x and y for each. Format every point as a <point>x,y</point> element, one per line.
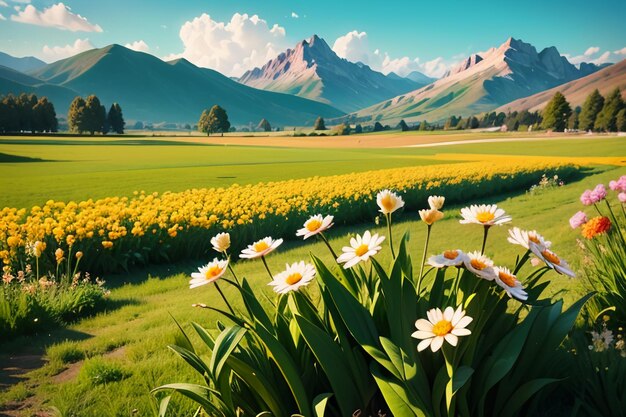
<point>212,272</point>
<point>551,257</point>
<point>533,238</point>
<point>450,254</point>
<point>388,202</point>
<point>485,216</point>
<point>313,224</point>
<point>508,279</point>
<point>442,328</point>
<point>361,250</point>
<point>293,278</point>
<point>261,246</point>
<point>478,264</point>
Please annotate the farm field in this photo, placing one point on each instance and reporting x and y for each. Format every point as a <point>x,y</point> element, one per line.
<point>134,333</point>
<point>34,170</point>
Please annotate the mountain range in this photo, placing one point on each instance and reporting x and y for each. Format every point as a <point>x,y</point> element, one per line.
<point>480,83</point>
<point>308,81</point>
<point>314,71</point>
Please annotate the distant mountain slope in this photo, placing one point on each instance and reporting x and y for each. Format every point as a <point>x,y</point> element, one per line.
<point>605,80</point>
<point>149,89</point>
<point>420,78</point>
<point>480,83</point>
<point>15,82</point>
<point>27,63</point>
<point>312,70</point>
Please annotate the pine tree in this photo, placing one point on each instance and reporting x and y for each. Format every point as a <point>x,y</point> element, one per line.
<point>264,126</point>
<point>473,122</point>
<point>116,119</point>
<point>319,124</point>
<point>606,119</point>
<point>358,129</point>
<point>589,112</point>
<point>423,125</point>
<point>403,126</point>
<point>556,113</point>
<point>378,127</point>
<point>77,115</point>
<point>620,120</point>
<point>95,115</point>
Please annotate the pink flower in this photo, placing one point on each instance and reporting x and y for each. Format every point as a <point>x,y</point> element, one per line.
<point>578,220</point>
<point>621,183</point>
<point>613,185</point>
<point>622,197</point>
<point>586,199</point>
<point>598,193</point>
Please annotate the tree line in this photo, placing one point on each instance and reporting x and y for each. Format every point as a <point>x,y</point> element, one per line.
<point>27,113</point>
<point>91,116</point>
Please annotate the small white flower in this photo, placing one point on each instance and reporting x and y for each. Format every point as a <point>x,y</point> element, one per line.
<point>388,201</point>
<point>485,214</point>
<point>293,277</point>
<point>360,249</point>
<point>552,260</point>
<point>211,272</point>
<point>316,224</point>
<point>260,248</point>
<point>480,265</point>
<point>447,258</point>
<point>430,216</point>
<point>448,326</point>
<point>221,242</point>
<point>526,238</point>
<point>436,202</point>
<point>509,282</point>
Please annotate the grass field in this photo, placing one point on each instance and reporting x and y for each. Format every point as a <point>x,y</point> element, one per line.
<point>34,170</point>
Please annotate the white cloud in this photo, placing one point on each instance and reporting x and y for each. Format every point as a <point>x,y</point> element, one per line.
<point>139,46</point>
<point>230,47</point>
<point>294,15</point>
<point>592,50</point>
<point>57,16</point>
<point>593,55</point>
<point>620,51</point>
<point>354,46</point>
<point>2,17</point>
<point>54,53</point>
<point>3,3</point>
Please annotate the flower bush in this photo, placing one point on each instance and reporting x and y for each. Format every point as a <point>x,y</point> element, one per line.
<point>461,337</point>
<point>118,232</point>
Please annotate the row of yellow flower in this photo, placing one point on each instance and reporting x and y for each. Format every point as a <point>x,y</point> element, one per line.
<point>169,226</point>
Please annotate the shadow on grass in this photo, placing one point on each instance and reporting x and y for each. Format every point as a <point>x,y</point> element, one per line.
<point>7,158</point>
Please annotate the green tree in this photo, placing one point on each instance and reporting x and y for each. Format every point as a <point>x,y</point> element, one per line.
<point>214,121</point>
<point>25,104</point>
<point>423,125</point>
<point>319,124</point>
<point>358,129</point>
<point>9,114</point>
<point>342,129</point>
<point>116,119</point>
<point>556,113</point>
<point>403,126</point>
<point>620,120</point>
<point>264,126</point>
<point>589,112</point>
<point>95,115</point>
<point>44,116</point>
<point>573,122</point>
<point>77,115</point>
<point>450,123</point>
<point>607,117</point>
<point>473,122</point>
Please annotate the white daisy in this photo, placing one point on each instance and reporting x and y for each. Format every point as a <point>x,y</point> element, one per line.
<point>480,265</point>
<point>441,326</point>
<point>221,242</point>
<point>260,248</point>
<point>447,258</point>
<point>485,214</point>
<point>388,201</point>
<point>211,272</point>
<point>436,202</point>
<point>509,282</point>
<point>360,249</point>
<point>316,224</point>
<point>293,277</point>
<point>552,260</point>
<point>526,238</point>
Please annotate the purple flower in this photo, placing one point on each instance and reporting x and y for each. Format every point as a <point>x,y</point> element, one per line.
<point>621,183</point>
<point>586,199</point>
<point>598,193</point>
<point>622,197</point>
<point>613,185</point>
<point>578,220</point>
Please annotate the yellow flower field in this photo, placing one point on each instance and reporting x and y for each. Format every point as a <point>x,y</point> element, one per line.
<point>117,232</point>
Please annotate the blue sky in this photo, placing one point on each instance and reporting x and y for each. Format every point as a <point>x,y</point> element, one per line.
<point>398,35</point>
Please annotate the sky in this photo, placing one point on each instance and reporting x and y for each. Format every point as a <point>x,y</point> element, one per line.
<point>234,36</point>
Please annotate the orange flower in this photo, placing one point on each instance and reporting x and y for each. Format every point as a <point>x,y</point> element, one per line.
<point>596,226</point>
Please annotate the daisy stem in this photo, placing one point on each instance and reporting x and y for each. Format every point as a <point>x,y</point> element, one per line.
<point>330,248</point>
<point>224,298</point>
<point>232,271</point>
<point>388,217</point>
<point>486,231</point>
<point>419,279</point>
<point>267,268</point>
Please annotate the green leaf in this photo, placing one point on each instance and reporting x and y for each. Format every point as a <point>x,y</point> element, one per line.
<point>225,343</point>
<point>395,396</point>
<point>194,360</point>
<point>523,394</point>
<point>460,377</point>
<point>165,402</point>
<point>319,404</point>
<point>204,335</point>
<point>181,339</point>
<point>198,393</point>
<point>254,307</point>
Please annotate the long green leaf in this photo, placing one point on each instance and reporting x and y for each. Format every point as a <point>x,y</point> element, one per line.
<point>198,393</point>
<point>523,394</point>
<point>319,404</point>
<point>225,343</point>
